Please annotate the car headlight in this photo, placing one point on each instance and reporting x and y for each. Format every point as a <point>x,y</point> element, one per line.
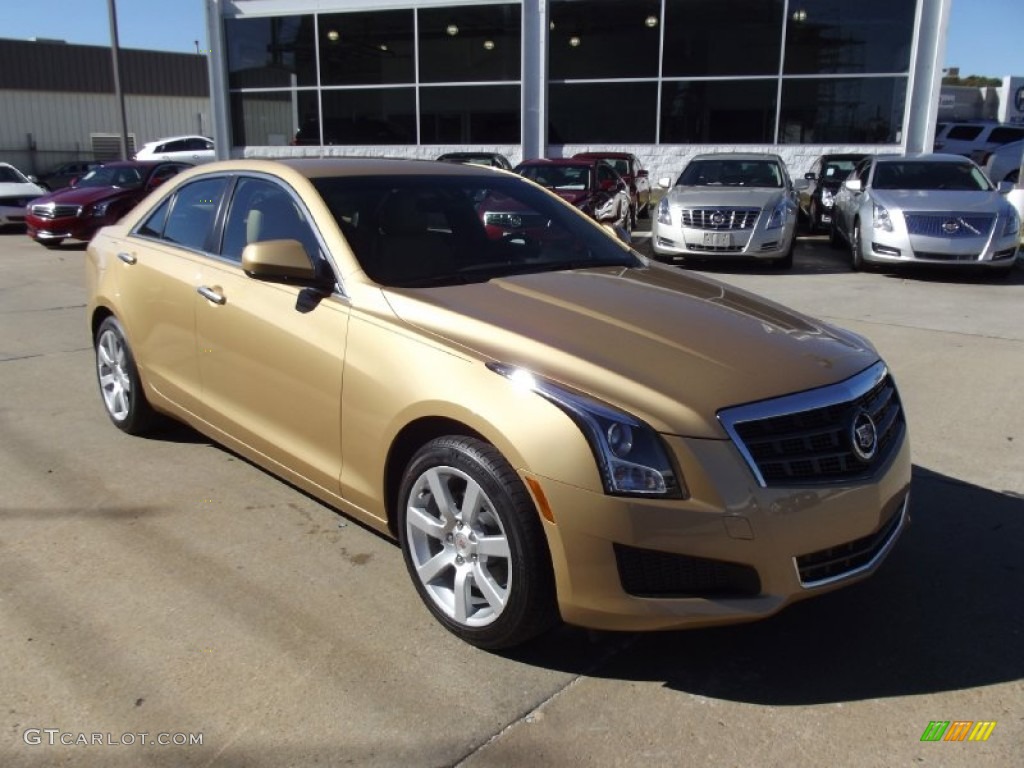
<point>100,209</point>
<point>828,198</point>
<point>1012,223</point>
<point>880,218</point>
<point>778,217</point>
<point>630,456</point>
<point>664,212</point>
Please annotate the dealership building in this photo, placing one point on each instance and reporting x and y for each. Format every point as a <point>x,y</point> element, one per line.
<point>664,79</point>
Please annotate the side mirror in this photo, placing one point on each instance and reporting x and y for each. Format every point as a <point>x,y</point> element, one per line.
<point>642,174</point>
<point>810,177</point>
<point>1004,187</point>
<point>801,184</point>
<point>665,182</point>
<point>854,185</point>
<point>32,178</point>
<point>279,261</point>
<point>73,182</point>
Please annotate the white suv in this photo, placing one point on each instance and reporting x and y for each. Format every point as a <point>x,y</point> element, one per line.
<point>184,149</point>
<point>972,139</point>
<point>1003,163</point>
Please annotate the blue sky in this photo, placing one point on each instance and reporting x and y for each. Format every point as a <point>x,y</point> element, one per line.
<point>985,36</point>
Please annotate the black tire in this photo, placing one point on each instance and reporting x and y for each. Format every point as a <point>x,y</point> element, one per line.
<point>835,240</point>
<point>120,386</point>
<point>786,262</point>
<point>856,256</point>
<point>50,244</point>
<point>516,571</point>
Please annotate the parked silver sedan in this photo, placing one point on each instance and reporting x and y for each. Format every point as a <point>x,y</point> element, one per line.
<point>925,209</point>
<point>728,205</point>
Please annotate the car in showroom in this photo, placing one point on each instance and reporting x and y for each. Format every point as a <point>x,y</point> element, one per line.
<point>728,205</point>
<point>552,427</point>
<point>637,178</point>
<point>593,186</point>
<point>824,178</point>
<point>928,209</point>
<point>101,197</point>
<point>16,191</point>
<point>193,150</point>
<point>487,159</point>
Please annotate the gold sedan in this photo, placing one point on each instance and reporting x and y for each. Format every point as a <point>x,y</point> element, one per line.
<point>551,425</point>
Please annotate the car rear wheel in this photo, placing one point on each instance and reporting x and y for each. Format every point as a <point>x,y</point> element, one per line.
<point>473,544</point>
<point>856,256</point>
<point>120,385</point>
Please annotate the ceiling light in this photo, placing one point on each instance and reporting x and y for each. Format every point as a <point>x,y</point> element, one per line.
<point>452,30</point>
<point>651,22</point>
<point>574,41</point>
<point>332,35</point>
<point>489,45</point>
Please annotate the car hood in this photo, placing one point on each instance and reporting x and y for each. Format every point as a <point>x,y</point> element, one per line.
<point>86,195</point>
<point>670,348</point>
<point>930,200</point>
<point>20,189</point>
<point>742,197</point>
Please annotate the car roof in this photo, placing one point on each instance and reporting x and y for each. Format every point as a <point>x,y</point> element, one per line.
<point>326,167</point>
<point>177,138</point>
<point>736,156</point>
<point>561,161</point>
<point>931,157</point>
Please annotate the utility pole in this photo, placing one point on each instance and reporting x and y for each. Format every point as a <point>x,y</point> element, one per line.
<point>115,53</point>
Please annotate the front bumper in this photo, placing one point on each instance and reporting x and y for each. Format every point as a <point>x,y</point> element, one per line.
<point>744,551</point>
<point>894,248</point>
<point>11,215</point>
<point>677,243</point>
<point>62,228</point>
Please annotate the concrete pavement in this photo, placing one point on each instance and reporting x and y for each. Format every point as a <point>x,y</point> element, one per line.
<point>165,587</point>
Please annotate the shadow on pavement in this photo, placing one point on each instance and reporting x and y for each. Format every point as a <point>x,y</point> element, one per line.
<point>945,612</point>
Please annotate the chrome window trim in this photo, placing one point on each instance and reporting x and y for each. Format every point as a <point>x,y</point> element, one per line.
<point>874,561</point>
<point>834,394</point>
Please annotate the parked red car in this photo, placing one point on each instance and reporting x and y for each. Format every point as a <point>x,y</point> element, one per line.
<point>593,186</point>
<point>100,197</point>
<point>633,173</point>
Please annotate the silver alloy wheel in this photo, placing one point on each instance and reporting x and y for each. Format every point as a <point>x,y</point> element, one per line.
<point>115,383</point>
<point>458,546</point>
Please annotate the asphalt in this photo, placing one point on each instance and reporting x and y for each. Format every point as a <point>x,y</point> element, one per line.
<point>165,586</point>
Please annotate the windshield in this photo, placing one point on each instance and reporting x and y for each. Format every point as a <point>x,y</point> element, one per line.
<point>9,175</point>
<point>837,170</point>
<point>929,175</point>
<point>122,176</point>
<point>567,177</point>
<point>731,173</point>
<point>417,231</point>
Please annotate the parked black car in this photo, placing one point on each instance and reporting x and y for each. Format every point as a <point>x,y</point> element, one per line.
<point>62,175</point>
<point>825,177</point>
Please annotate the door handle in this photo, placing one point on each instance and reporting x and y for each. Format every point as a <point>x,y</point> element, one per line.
<point>211,295</point>
<point>127,258</point>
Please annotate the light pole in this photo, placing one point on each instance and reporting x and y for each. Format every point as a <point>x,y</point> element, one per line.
<point>118,93</point>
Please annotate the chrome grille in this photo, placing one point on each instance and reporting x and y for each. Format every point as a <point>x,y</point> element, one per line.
<point>950,224</point>
<point>719,218</point>
<point>808,438</point>
<point>55,211</point>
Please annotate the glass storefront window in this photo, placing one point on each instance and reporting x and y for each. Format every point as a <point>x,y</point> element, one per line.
<point>270,52</point>
<point>369,116</point>
<point>470,115</point>
<point>859,110</point>
<point>273,118</point>
<point>597,39</point>
<point>367,48</point>
<point>836,36</point>
<point>470,43</point>
<point>714,38</point>
<point>718,112</point>
<point>582,113</point>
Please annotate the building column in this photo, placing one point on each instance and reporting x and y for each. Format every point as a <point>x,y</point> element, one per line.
<point>534,114</point>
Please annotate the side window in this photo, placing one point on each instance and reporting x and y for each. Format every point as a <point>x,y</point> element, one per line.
<point>192,213</point>
<point>964,132</point>
<point>262,210</point>
<point>153,226</point>
<point>1005,135</point>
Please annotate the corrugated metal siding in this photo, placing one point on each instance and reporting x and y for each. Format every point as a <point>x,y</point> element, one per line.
<point>31,66</point>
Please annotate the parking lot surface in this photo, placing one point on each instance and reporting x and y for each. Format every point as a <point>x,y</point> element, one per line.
<point>164,590</point>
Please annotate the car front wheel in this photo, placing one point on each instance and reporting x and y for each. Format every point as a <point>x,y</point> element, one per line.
<point>856,255</point>
<point>120,385</point>
<point>473,544</point>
